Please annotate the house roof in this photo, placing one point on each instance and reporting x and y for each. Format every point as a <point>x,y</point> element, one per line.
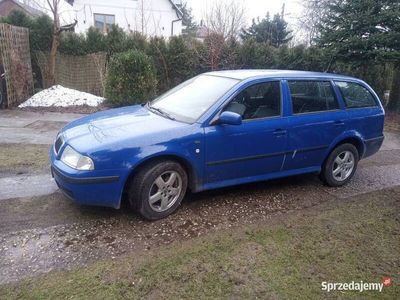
<point>177,9</point>
<point>29,9</point>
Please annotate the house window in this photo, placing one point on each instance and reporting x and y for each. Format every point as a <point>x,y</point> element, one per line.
<point>103,22</point>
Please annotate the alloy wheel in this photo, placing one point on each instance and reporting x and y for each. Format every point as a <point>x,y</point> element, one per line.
<point>165,191</point>
<point>343,165</point>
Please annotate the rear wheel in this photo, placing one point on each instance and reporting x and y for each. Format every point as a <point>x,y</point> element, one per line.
<point>158,189</point>
<point>340,166</point>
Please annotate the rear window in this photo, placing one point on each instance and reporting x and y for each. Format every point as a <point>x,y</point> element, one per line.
<point>355,95</point>
<point>312,96</point>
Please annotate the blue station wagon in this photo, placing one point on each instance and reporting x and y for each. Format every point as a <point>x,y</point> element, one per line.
<point>215,130</point>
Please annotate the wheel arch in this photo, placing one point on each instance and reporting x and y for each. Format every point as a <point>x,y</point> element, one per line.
<point>351,139</point>
<point>356,141</point>
<point>188,167</point>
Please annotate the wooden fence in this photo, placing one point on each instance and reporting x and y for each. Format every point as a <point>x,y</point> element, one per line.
<point>84,73</point>
<point>16,59</point>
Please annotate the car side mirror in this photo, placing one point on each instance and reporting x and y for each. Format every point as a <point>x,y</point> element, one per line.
<point>230,118</point>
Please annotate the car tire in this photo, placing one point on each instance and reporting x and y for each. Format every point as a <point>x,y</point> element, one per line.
<point>340,165</point>
<point>157,189</point>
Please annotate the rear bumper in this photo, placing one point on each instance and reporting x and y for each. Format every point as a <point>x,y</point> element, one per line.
<point>372,145</point>
<point>88,188</point>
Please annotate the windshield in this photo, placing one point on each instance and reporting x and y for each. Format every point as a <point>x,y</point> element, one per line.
<point>189,100</point>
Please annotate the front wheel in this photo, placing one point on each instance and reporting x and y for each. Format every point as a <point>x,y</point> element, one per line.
<point>340,166</point>
<point>158,189</point>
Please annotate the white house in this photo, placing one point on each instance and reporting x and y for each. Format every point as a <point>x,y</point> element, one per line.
<point>150,17</point>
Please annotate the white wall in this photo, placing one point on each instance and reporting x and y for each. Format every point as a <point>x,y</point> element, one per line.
<point>151,17</point>
<point>67,15</point>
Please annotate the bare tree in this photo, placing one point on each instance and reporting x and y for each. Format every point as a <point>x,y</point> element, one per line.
<point>142,16</point>
<point>225,18</point>
<point>313,12</point>
<point>100,62</point>
<point>53,7</point>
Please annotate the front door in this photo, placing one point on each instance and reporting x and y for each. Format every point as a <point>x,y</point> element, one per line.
<point>258,145</point>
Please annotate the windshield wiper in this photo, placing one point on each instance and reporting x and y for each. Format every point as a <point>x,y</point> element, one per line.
<point>160,111</point>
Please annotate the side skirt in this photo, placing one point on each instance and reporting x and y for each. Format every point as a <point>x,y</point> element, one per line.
<point>243,180</point>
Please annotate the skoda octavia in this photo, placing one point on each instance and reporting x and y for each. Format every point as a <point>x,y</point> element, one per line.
<point>215,130</point>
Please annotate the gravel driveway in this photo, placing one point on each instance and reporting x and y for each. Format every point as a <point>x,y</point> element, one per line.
<point>47,231</point>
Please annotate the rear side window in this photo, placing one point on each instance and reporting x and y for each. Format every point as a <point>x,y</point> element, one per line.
<point>355,95</point>
<point>312,96</point>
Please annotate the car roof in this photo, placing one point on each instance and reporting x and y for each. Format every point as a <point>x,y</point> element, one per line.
<point>248,74</point>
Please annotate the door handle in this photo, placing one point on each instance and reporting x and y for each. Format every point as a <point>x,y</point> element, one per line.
<point>280,132</point>
<point>339,123</point>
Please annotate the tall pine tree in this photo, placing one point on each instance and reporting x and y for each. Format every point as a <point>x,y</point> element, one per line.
<point>273,32</point>
<point>188,21</point>
<point>364,32</point>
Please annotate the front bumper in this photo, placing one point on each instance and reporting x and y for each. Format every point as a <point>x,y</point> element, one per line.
<point>99,188</point>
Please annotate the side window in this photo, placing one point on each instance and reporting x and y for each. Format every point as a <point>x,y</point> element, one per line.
<point>312,96</point>
<point>355,95</point>
<point>261,100</point>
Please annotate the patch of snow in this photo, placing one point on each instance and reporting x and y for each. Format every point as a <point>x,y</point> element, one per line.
<point>58,95</point>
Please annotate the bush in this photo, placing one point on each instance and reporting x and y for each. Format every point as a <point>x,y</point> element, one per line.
<point>158,51</point>
<point>131,79</point>
<point>17,18</point>
<point>40,28</point>
<point>181,60</point>
<point>95,41</point>
<point>254,55</point>
<point>136,40</point>
<point>72,44</point>
<point>41,33</point>
<point>115,40</point>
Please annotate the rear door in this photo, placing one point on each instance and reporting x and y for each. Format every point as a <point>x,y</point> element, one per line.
<point>317,119</point>
<point>366,116</point>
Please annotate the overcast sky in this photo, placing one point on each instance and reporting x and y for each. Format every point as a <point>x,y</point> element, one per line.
<point>254,8</point>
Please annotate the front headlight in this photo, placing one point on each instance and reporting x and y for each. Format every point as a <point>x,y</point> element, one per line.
<point>76,160</point>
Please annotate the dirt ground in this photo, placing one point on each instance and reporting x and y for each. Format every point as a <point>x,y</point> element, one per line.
<point>48,232</point>
<point>392,121</point>
<point>285,256</point>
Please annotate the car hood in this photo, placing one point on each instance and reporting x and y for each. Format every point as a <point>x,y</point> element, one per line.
<point>132,123</point>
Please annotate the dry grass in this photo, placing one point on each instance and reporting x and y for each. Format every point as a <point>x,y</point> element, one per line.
<point>16,158</point>
<point>287,257</point>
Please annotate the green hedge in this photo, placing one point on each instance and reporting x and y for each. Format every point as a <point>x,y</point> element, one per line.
<point>131,79</point>
<point>179,58</point>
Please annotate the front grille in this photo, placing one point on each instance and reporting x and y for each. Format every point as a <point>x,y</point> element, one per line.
<point>58,144</point>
